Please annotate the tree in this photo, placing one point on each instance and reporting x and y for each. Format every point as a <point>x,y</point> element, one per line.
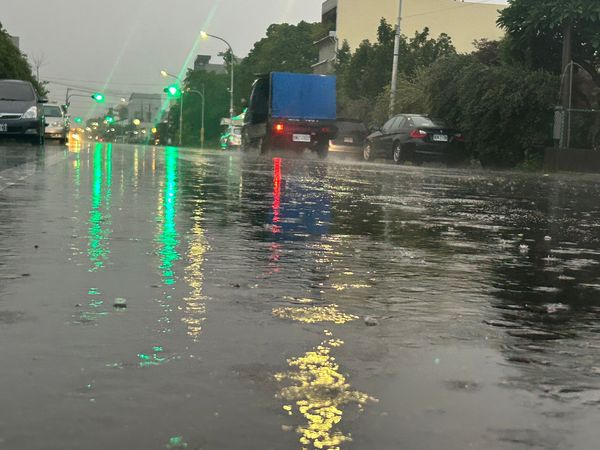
<point>286,48</point>
<point>364,75</point>
<point>505,112</point>
<point>536,31</point>
<point>13,64</point>
<point>216,88</point>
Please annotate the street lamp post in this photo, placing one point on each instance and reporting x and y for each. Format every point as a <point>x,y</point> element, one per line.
<point>166,74</point>
<point>201,94</point>
<point>206,35</point>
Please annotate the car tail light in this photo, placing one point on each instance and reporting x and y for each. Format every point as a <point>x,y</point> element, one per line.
<point>418,134</point>
<point>325,130</point>
<point>459,137</point>
<point>279,128</point>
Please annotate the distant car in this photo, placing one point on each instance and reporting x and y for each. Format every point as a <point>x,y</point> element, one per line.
<point>415,138</point>
<point>232,138</point>
<point>21,112</point>
<point>56,127</point>
<point>351,137</point>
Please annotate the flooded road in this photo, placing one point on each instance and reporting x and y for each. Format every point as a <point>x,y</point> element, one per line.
<point>158,298</point>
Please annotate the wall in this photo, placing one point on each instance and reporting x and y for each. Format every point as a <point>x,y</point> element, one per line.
<point>464,22</point>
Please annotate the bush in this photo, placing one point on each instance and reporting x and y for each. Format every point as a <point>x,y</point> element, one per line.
<point>504,112</point>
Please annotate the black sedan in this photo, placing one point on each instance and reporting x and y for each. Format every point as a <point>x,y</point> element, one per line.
<point>415,138</point>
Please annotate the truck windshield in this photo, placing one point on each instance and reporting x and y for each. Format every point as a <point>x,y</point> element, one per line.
<point>16,92</point>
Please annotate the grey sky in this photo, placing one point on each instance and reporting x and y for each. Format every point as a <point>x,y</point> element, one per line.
<point>124,44</point>
<point>128,42</point>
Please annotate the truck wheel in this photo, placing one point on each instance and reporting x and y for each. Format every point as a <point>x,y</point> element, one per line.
<point>264,146</point>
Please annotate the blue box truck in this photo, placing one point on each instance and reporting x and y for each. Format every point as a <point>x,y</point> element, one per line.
<point>291,111</point>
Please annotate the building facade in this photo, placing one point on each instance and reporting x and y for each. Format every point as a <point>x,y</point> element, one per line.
<point>357,20</point>
<point>145,107</point>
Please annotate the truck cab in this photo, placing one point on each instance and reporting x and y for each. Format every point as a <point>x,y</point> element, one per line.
<point>291,112</point>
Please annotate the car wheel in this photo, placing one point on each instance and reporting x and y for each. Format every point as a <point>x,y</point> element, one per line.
<point>398,154</point>
<point>368,152</point>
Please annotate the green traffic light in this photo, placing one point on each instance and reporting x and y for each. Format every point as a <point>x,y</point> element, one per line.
<point>173,91</point>
<point>98,97</point>
<point>109,119</point>
<point>78,120</point>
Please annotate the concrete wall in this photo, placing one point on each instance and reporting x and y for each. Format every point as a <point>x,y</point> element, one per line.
<point>463,22</point>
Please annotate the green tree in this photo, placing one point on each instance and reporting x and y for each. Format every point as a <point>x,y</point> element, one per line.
<point>536,30</point>
<point>13,64</point>
<point>286,48</point>
<point>505,112</point>
<point>364,76</point>
<point>216,91</point>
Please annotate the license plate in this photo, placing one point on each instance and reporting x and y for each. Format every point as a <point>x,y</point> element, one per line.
<point>348,140</point>
<point>440,138</point>
<point>301,137</point>
<point>3,128</point>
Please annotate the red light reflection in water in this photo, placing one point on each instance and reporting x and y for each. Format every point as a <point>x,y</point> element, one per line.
<point>276,195</point>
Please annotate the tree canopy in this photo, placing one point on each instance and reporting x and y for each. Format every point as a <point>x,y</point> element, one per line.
<point>536,31</point>
<point>286,48</point>
<point>13,64</point>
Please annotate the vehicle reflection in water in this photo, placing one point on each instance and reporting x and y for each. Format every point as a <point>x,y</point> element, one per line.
<point>316,389</point>
<point>100,214</point>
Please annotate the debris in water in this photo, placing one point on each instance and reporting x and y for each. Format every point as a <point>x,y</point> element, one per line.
<point>371,321</point>
<point>177,442</point>
<point>547,238</point>
<point>523,248</point>
<point>120,303</point>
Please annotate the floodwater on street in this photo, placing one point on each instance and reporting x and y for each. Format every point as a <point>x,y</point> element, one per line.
<point>157,298</point>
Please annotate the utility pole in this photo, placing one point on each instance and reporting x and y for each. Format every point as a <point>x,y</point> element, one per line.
<point>396,60</point>
<point>567,84</point>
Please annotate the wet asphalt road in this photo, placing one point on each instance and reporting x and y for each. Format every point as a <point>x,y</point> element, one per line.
<point>290,303</point>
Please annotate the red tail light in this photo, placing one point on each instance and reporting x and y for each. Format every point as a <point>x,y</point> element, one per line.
<point>418,134</point>
<point>325,130</point>
<point>279,128</point>
<point>459,137</point>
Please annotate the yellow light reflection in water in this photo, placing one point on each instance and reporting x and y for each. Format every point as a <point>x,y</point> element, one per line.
<point>314,314</point>
<point>100,219</point>
<point>319,392</point>
<point>169,238</point>
<point>195,306</point>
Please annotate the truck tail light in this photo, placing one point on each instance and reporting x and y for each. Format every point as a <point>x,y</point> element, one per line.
<point>418,134</point>
<point>459,137</point>
<point>279,128</point>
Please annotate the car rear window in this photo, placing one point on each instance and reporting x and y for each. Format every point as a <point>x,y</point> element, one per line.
<point>16,92</point>
<point>52,111</point>
<point>420,121</point>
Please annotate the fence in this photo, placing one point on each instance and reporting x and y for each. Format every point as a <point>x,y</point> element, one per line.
<point>577,128</point>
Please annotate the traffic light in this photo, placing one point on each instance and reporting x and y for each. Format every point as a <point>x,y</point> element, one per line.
<point>78,120</point>
<point>109,119</point>
<point>98,97</point>
<point>173,91</point>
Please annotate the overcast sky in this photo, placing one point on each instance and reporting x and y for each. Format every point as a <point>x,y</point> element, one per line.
<point>122,45</point>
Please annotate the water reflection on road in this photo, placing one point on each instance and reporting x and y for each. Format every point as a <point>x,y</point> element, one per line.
<point>250,283</point>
